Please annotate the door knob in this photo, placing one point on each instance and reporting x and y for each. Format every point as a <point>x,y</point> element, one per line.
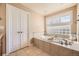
<point>18,32</point>
<point>21,32</point>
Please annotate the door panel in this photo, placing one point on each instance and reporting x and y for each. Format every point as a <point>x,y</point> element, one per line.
<point>9,38</point>
<point>23,29</point>
<point>16,29</point>
<point>12,22</point>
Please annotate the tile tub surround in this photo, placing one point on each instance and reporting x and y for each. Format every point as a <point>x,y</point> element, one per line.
<point>74,46</point>
<point>54,49</point>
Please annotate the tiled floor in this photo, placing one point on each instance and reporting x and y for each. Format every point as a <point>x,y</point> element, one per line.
<point>29,51</point>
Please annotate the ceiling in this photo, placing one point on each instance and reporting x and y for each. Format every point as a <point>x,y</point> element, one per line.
<point>47,8</point>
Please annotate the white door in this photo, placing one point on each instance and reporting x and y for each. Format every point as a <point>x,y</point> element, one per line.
<point>16,28</point>
<point>24,18</point>
<point>9,41</point>
<point>12,28</point>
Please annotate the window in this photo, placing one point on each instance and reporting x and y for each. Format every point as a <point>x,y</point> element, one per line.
<point>59,24</point>
<point>65,19</point>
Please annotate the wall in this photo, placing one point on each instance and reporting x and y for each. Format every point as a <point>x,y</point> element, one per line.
<point>2,25</point>
<point>36,24</point>
<point>74,23</point>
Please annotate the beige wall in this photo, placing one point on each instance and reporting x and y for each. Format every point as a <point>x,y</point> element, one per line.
<point>2,25</point>
<point>74,24</point>
<point>36,24</point>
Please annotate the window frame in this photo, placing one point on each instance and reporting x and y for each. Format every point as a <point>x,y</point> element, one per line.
<point>62,11</point>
